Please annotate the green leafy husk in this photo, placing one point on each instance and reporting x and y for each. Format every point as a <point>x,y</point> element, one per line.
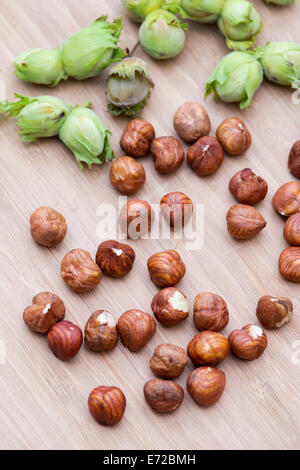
<point>281,63</point>
<point>204,11</point>
<point>139,9</point>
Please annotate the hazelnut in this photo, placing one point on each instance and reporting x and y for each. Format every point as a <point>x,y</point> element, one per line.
<point>170,306</point>
<point>107,405</point>
<point>208,348</point>
<point>163,396</point>
<point>177,208</point>
<point>291,230</point>
<point>166,268</point>
<point>114,258</point>
<point>100,333</point>
<point>274,312</point>
<point>210,312</point>
<point>136,218</point>
<point>294,159</point>
<point>168,154</point>
<point>206,385</point>
<point>244,222</point>
<point>127,175</point>
<point>205,156</point>
<point>234,136</point>
<point>247,187</point>
<point>46,310</point>
<point>286,200</point>
<point>168,361</point>
<point>248,343</point>
<point>136,328</point>
<point>80,271</point>
<point>191,122</point>
<point>289,264</point>
<point>137,137</point>
<point>48,227</point>
<point>64,339</point>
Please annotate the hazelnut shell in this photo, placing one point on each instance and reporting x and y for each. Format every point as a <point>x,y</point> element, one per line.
<point>163,396</point>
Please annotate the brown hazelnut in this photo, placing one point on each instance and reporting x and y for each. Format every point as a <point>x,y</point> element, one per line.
<point>166,268</point>
<point>114,258</point>
<point>177,209</point>
<point>170,306</point>
<point>234,136</point>
<point>107,405</point>
<point>48,227</point>
<point>274,312</point>
<point>206,385</point>
<point>247,187</point>
<point>205,156</point>
<point>136,218</point>
<point>163,396</point>
<point>168,154</point>
<point>127,175</point>
<point>208,348</point>
<point>294,159</point>
<point>244,222</point>
<point>46,310</point>
<point>100,332</point>
<point>137,137</point>
<point>64,339</point>
<point>168,361</point>
<point>248,343</point>
<point>210,312</point>
<point>191,122</point>
<point>286,200</point>
<point>289,264</point>
<point>80,271</point>
<point>136,328</point>
<point>291,230</point>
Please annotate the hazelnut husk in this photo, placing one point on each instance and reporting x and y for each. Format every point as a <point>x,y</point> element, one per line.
<point>136,218</point>
<point>114,258</point>
<point>286,200</point>
<point>234,136</point>
<point>191,122</point>
<point>48,227</point>
<point>136,328</point>
<point>168,361</point>
<point>247,187</point>
<point>168,154</point>
<point>294,159</point>
<point>166,268</point>
<point>274,312</point>
<point>205,156</point>
<point>206,385</point>
<point>163,396</point>
<point>107,405</point>
<point>244,222</point>
<point>210,312</point>
<point>100,333</point>
<point>137,137</point>
<point>208,348</point>
<point>79,271</point>
<point>127,175</point>
<point>46,310</point>
<point>64,339</point>
<point>177,209</point>
<point>248,343</point>
<point>289,264</point>
<point>291,230</point>
<point>170,306</point>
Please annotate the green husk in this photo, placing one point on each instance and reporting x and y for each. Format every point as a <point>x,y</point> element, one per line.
<point>139,9</point>
<point>204,11</point>
<point>281,63</point>
<point>282,2</point>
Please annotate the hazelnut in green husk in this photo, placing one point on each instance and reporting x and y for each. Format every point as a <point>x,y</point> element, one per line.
<point>204,11</point>
<point>281,63</point>
<point>139,9</point>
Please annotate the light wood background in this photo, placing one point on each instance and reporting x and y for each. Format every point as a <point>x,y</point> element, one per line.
<point>43,402</point>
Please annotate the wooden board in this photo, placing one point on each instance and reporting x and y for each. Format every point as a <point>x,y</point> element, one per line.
<point>42,400</point>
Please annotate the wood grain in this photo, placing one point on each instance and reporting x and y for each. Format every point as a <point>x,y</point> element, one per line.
<point>43,402</point>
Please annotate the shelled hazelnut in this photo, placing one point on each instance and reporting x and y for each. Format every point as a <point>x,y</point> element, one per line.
<point>170,306</point>
<point>48,227</point>
<point>166,268</point>
<point>208,348</point>
<point>136,328</point>
<point>274,312</point>
<point>64,339</point>
<point>114,258</point>
<point>168,361</point>
<point>191,122</point>
<point>80,271</point>
<point>100,333</point>
<point>234,136</point>
<point>294,159</point>
<point>177,209</point>
<point>249,343</point>
<point>244,222</point>
<point>210,312</point>
<point>247,187</point>
<point>291,230</point>
<point>163,396</point>
<point>127,175</point>
<point>286,200</point>
<point>46,310</point>
<point>107,405</point>
<point>206,385</point>
<point>137,137</point>
<point>136,218</point>
<point>289,264</point>
<point>168,154</point>
<point>205,156</point>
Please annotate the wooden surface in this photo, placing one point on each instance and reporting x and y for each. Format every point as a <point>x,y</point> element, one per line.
<point>42,400</point>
